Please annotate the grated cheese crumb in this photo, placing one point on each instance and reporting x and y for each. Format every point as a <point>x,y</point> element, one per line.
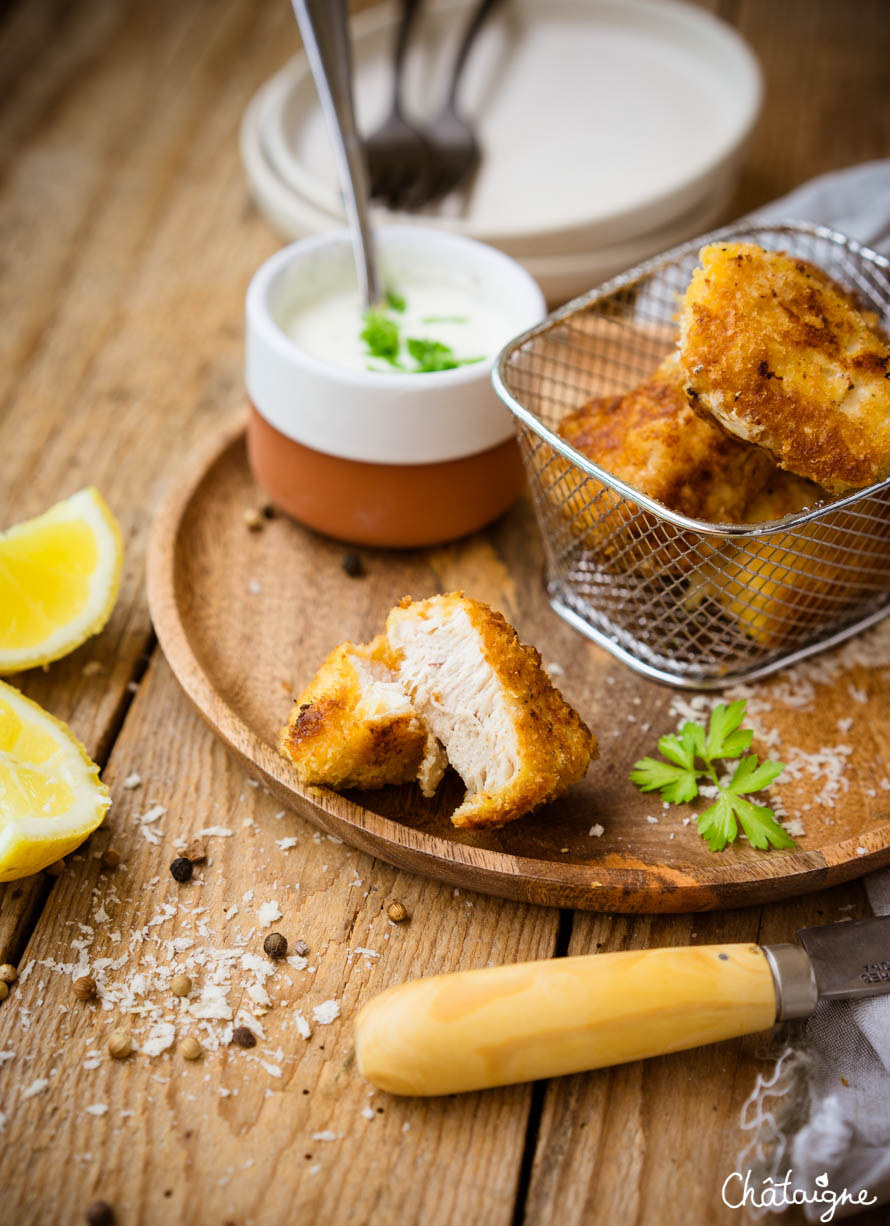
<point>132,782</point>
<point>596,831</point>
<point>268,913</point>
<point>325,1013</point>
<point>36,1087</point>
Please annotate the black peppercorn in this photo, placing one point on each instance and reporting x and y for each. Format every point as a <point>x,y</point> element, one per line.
<point>242,1037</point>
<point>182,869</point>
<point>301,948</point>
<point>352,564</point>
<point>275,945</point>
<point>100,1213</point>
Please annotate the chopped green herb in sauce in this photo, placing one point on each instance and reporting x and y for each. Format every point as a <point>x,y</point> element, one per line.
<point>382,337</point>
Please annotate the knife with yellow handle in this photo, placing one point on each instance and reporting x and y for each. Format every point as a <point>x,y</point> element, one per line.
<point>498,1025</point>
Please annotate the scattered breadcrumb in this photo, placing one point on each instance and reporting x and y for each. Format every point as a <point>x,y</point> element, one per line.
<point>268,913</point>
<point>36,1087</point>
<point>325,1013</point>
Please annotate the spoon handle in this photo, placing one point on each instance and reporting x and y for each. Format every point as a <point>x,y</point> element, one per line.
<point>323,26</point>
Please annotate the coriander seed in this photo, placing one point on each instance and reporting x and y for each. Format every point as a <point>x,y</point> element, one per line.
<point>242,1037</point>
<point>301,948</point>
<point>253,520</point>
<point>353,565</point>
<point>275,945</point>
<point>181,985</point>
<point>8,973</point>
<point>4,990</point>
<point>84,988</point>
<point>56,869</point>
<point>182,869</point>
<point>119,1044</point>
<point>110,858</point>
<point>100,1213</point>
<point>190,1048</point>
<point>397,912</point>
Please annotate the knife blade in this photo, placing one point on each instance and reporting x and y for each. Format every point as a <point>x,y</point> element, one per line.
<point>473,1030</point>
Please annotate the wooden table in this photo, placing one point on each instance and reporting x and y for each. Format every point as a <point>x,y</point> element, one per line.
<point>127,240</point>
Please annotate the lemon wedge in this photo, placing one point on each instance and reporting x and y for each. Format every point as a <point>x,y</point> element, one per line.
<point>59,579</point>
<point>51,796</point>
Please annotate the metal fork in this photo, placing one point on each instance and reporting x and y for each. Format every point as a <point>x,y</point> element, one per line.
<point>455,150</point>
<point>396,155</point>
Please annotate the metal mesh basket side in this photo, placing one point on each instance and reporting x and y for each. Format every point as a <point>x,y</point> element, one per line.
<point>692,604</point>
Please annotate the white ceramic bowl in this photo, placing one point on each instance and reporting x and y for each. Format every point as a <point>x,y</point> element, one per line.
<point>392,459</point>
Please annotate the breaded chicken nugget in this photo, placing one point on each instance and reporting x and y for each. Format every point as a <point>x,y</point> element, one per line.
<point>778,354</point>
<point>355,727</point>
<point>509,734</point>
<point>652,439</point>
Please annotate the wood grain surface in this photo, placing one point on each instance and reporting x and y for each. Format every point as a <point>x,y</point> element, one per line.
<point>127,240</point>
<point>221,594</point>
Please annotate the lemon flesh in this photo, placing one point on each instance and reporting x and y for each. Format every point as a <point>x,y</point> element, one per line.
<point>51,796</point>
<point>59,579</point>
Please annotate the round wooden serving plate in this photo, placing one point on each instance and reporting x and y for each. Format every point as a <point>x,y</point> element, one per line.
<point>245,618</point>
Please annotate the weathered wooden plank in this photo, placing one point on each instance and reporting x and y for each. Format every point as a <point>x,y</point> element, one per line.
<point>226,1138</point>
<point>110,312</point>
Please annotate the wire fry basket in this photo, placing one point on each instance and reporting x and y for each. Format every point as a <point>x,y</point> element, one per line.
<point>695,604</point>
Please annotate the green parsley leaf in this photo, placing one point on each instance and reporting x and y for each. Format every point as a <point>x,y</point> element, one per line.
<point>676,785</point>
<point>717,825</point>
<point>395,301</point>
<point>692,755</point>
<point>431,355</point>
<point>749,777</point>
<point>723,724</point>
<point>381,335</point>
<point>760,825</point>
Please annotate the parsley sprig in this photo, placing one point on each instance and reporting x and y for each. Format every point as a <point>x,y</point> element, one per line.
<point>693,754</point>
<point>382,335</point>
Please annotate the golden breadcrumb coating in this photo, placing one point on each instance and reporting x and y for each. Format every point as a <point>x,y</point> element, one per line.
<point>651,438</point>
<point>778,354</point>
<point>354,726</point>
<point>506,729</point>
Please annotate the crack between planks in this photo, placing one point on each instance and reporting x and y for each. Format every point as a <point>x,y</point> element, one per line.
<point>539,1093</point>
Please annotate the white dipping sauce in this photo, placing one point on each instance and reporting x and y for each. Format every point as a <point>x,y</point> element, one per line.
<point>459,315</point>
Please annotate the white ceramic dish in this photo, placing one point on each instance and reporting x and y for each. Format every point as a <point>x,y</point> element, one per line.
<point>560,276</point>
<point>394,459</point>
<point>600,119</point>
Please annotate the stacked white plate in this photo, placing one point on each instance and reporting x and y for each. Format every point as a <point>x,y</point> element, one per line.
<point>611,129</point>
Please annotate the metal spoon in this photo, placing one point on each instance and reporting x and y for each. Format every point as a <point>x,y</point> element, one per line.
<point>323,26</point>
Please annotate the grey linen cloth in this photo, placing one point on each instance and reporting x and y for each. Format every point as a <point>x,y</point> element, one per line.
<point>836,1120</point>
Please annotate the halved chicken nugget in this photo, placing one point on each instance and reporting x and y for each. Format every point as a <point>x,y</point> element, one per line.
<point>355,727</point>
<point>779,354</point>
<point>507,731</point>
